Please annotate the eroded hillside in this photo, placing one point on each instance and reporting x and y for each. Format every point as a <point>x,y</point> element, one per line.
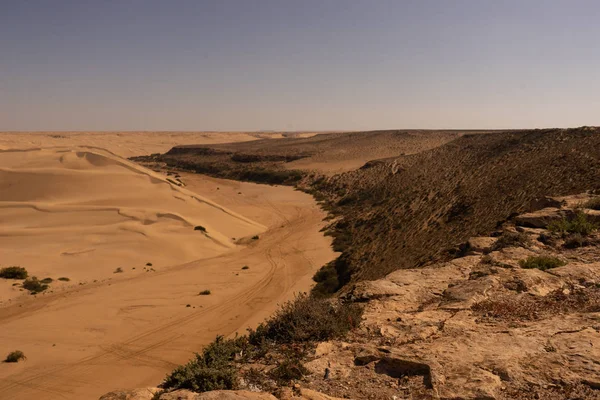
<point>410,210</point>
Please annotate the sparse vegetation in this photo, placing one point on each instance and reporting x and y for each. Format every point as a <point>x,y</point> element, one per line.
<point>148,264</point>
<point>255,237</point>
<point>578,224</point>
<point>118,270</point>
<point>284,339</point>
<point>530,308</point>
<point>576,240</point>
<point>200,228</point>
<point>288,370</point>
<point>46,280</point>
<point>13,273</point>
<point>213,369</point>
<point>64,279</point>
<point>15,356</point>
<point>592,204</point>
<point>512,239</point>
<point>34,285</point>
<point>542,262</point>
<point>204,293</point>
<point>245,267</point>
<point>308,319</point>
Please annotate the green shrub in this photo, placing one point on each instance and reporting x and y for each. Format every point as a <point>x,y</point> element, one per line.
<point>288,370</point>
<point>578,224</point>
<point>542,262</point>
<point>64,279</point>
<point>204,293</point>
<point>512,239</point>
<point>593,203</point>
<point>34,286</point>
<point>13,273</point>
<point>214,369</point>
<point>200,228</point>
<point>15,356</point>
<point>308,319</point>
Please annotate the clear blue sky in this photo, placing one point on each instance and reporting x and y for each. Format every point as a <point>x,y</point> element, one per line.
<point>298,65</point>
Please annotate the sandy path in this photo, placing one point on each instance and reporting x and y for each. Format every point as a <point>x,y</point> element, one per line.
<point>131,330</point>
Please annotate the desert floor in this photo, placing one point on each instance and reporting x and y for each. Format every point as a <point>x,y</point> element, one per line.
<point>71,206</point>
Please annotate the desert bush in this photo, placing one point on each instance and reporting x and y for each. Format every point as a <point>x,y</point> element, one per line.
<point>511,239</point>
<point>578,224</point>
<point>13,273</point>
<point>327,281</point>
<point>46,280</point>
<point>575,240</point>
<point>213,369</point>
<point>204,293</point>
<point>255,237</point>
<point>288,370</point>
<point>34,285</point>
<point>245,267</point>
<point>200,228</point>
<point>15,356</point>
<point>308,319</point>
<point>542,262</point>
<point>593,203</point>
<point>64,279</point>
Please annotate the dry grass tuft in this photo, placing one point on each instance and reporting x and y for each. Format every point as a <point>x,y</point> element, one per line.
<point>531,308</point>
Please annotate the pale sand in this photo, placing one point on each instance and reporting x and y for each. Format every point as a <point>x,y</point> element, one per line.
<point>81,212</point>
<point>128,144</point>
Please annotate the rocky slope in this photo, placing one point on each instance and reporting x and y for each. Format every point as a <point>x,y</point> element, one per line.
<point>480,326</point>
<point>412,210</point>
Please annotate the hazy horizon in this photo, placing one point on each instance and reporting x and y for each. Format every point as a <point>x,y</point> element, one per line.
<point>298,66</point>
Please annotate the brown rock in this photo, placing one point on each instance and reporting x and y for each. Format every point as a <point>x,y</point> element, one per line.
<point>217,395</point>
<point>481,244</point>
<point>542,218</point>
<point>134,394</point>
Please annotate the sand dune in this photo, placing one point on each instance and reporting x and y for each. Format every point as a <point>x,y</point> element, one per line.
<point>83,212</point>
<point>128,144</point>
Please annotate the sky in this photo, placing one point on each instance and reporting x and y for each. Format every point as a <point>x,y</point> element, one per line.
<point>250,65</point>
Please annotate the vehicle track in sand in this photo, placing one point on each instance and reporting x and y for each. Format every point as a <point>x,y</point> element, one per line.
<point>157,337</point>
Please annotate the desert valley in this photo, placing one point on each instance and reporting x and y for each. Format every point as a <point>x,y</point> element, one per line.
<point>147,246</point>
<point>299,200</point>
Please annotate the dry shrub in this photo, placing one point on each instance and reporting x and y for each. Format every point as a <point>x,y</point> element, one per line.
<point>308,319</point>
<point>15,356</point>
<point>34,285</point>
<point>13,273</point>
<point>592,204</point>
<point>531,308</point>
<point>512,239</point>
